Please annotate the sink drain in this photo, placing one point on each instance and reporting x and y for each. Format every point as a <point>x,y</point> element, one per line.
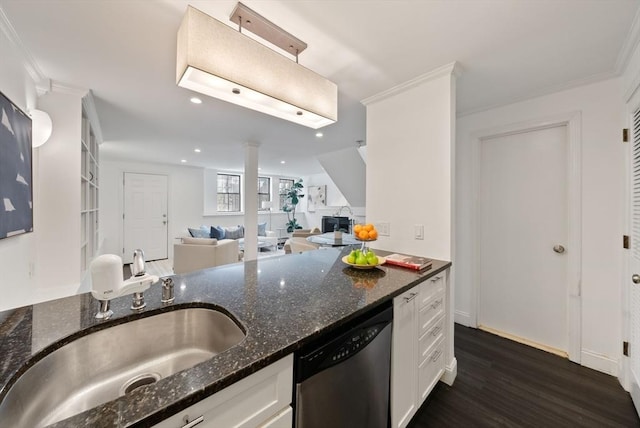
<point>138,381</point>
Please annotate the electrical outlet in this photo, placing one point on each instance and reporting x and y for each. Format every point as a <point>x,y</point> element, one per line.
<point>383,228</point>
<point>418,231</point>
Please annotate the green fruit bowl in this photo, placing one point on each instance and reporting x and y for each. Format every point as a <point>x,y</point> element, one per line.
<point>381,261</point>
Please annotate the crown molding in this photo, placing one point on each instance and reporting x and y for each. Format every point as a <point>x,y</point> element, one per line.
<point>542,92</point>
<point>452,69</point>
<point>89,104</point>
<point>629,46</point>
<point>29,63</point>
<point>65,88</point>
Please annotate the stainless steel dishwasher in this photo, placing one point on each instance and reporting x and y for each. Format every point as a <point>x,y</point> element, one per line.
<point>344,381</point>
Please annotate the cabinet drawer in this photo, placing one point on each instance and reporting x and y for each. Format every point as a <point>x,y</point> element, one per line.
<point>431,288</point>
<point>431,370</point>
<point>283,419</point>
<point>433,309</point>
<point>435,332</point>
<point>250,402</point>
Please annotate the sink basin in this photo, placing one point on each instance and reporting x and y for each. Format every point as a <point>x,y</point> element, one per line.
<point>112,362</point>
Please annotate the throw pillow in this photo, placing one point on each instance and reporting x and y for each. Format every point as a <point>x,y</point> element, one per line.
<point>234,232</point>
<point>217,232</point>
<point>199,241</point>
<point>199,233</point>
<point>262,229</point>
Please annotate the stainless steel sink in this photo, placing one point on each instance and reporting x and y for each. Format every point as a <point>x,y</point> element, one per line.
<point>109,363</point>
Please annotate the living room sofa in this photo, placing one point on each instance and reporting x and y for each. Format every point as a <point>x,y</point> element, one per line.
<point>269,237</point>
<point>201,253</point>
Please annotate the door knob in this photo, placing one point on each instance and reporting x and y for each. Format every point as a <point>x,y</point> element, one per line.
<point>164,222</point>
<point>635,278</point>
<point>558,249</point>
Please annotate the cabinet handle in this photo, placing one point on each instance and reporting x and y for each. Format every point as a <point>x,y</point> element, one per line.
<point>411,297</point>
<point>436,330</point>
<point>436,304</point>
<point>435,356</point>
<point>437,278</point>
<point>194,422</point>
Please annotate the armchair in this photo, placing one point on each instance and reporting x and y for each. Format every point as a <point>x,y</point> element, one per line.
<point>298,241</point>
<point>201,253</point>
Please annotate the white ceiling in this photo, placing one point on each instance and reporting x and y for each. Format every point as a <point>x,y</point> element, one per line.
<point>124,50</point>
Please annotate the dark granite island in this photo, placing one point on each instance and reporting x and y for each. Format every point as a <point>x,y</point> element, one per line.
<point>283,303</point>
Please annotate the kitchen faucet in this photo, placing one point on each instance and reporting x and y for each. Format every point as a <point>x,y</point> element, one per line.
<point>339,211</point>
<point>107,284</point>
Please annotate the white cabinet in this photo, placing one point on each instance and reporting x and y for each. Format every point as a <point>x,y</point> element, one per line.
<point>262,399</point>
<point>404,400</point>
<point>419,344</point>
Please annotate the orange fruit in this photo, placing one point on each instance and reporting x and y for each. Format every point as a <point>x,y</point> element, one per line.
<point>363,234</point>
<point>357,228</point>
<point>368,227</point>
<point>373,234</point>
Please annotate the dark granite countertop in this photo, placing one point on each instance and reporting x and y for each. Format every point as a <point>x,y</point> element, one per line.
<point>282,302</point>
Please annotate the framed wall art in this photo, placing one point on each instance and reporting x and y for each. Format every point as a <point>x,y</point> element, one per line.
<point>16,195</point>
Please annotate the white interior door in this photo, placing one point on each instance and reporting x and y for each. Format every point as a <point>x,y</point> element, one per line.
<point>523,215</point>
<point>634,286</point>
<point>145,216</point>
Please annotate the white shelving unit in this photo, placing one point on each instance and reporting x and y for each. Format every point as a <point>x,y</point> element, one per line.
<point>89,192</point>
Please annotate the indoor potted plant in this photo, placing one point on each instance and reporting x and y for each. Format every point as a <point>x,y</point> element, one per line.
<point>292,198</point>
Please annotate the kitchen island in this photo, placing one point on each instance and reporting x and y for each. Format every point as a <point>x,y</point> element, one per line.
<point>282,303</point>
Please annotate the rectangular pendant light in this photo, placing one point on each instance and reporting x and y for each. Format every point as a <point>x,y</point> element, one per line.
<point>216,60</point>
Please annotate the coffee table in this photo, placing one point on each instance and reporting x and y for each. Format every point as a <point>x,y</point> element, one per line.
<point>261,245</point>
<point>329,240</point>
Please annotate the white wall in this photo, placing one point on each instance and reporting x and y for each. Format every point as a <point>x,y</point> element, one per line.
<point>57,209</point>
<point>409,165</point>
<point>603,197</point>
<point>45,264</point>
<point>335,200</point>
<point>18,252</point>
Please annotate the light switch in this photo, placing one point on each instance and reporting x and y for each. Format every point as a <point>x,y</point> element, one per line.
<point>418,231</point>
<point>383,228</point>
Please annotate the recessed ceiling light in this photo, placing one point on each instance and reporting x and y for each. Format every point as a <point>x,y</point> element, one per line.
<point>183,161</point>
<point>282,162</point>
<point>196,100</point>
<point>319,134</point>
<point>197,150</point>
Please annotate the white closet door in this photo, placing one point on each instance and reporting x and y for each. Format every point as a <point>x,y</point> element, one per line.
<point>523,217</point>
<point>145,216</point>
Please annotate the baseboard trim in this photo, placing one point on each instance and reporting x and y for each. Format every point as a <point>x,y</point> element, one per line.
<point>463,318</point>
<point>599,362</point>
<point>450,372</point>
<point>550,349</point>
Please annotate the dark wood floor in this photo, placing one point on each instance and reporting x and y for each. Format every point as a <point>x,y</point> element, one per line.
<point>502,383</point>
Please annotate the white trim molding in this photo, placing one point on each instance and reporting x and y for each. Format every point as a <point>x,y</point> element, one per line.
<point>453,69</point>
<point>630,44</point>
<point>29,63</point>
<point>463,318</point>
<point>450,372</point>
<point>599,362</point>
<point>573,122</point>
<point>88,101</point>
